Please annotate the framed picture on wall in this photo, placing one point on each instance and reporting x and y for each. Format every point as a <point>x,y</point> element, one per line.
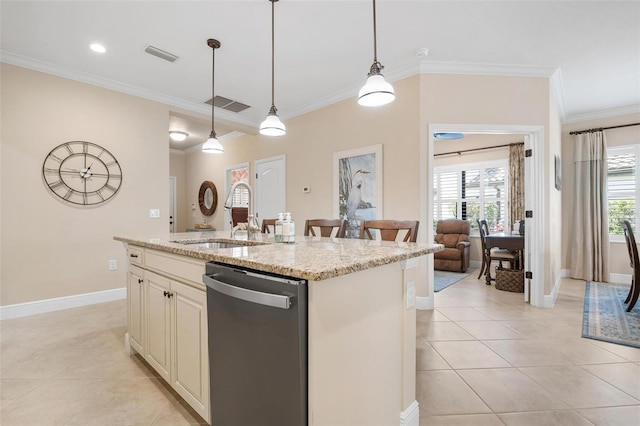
<point>558,170</point>
<point>357,186</point>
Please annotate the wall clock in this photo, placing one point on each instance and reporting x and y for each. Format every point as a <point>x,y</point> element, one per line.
<point>82,173</point>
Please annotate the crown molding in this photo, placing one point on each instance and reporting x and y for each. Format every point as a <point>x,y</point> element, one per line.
<point>47,68</point>
<point>611,112</point>
<point>435,67</point>
<point>406,71</point>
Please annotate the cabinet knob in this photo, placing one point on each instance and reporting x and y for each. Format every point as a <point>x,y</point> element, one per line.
<point>166,294</point>
<point>133,255</point>
<point>140,280</point>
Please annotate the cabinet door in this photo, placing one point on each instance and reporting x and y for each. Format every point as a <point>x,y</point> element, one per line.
<point>190,366</point>
<point>158,323</point>
<point>136,309</point>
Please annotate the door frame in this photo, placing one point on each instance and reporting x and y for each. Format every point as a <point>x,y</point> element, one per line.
<point>281,157</point>
<point>173,204</point>
<point>227,187</point>
<point>534,200</point>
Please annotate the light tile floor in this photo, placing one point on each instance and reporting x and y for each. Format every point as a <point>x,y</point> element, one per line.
<point>484,357</point>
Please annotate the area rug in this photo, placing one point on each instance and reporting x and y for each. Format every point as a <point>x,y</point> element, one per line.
<point>605,317</point>
<point>443,279</point>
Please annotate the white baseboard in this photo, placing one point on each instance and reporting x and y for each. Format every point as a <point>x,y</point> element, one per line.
<point>60,303</point>
<point>620,279</point>
<point>475,264</point>
<point>550,299</point>
<point>411,416</point>
<point>424,303</point>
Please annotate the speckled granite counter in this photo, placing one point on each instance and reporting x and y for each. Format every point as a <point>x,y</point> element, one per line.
<point>311,258</point>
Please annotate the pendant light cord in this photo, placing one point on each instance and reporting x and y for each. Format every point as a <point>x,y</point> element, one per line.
<point>213,91</point>
<point>273,4</point>
<point>375,43</point>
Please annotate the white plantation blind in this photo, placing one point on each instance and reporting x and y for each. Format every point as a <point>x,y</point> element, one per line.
<point>241,195</point>
<point>472,191</point>
<point>623,184</point>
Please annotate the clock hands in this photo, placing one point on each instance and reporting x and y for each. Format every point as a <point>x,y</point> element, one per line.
<point>86,173</point>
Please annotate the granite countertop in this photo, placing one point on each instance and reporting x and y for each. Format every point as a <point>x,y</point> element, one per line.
<point>311,258</point>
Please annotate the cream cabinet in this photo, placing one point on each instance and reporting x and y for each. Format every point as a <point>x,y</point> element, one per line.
<point>168,322</point>
<point>136,298</point>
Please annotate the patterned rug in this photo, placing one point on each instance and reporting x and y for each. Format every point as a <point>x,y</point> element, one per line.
<point>605,317</point>
<point>443,279</point>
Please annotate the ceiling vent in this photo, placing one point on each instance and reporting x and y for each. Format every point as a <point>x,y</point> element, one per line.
<point>151,50</point>
<point>228,104</point>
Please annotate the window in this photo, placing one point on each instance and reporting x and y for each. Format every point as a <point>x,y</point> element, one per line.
<point>471,192</point>
<point>622,188</point>
<point>241,195</point>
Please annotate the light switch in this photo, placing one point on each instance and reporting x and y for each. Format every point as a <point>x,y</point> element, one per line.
<point>154,213</point>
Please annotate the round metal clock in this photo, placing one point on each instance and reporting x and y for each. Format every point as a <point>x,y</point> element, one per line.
<point>82,173</point>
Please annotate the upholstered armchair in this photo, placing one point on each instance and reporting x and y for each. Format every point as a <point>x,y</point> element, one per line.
<point>454,235</point>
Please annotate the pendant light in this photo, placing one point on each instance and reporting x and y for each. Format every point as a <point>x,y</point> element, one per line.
<point>213,145</point>
<point>376,91</point>
<point>272,126</point>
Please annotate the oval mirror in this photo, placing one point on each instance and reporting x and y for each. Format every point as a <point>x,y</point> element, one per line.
<point>208,198</point>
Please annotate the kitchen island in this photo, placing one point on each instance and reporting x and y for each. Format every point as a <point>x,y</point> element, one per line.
<point>361,317</point>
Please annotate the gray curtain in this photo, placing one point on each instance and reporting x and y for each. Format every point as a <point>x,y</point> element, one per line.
<point>590,233</point>
<point>516,182</point>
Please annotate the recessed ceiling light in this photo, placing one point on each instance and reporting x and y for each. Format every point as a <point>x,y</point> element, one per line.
<point>97,47</point>
<point>178,136</point>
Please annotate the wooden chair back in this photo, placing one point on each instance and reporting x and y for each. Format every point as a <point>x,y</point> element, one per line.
<point>632,248</point>
<point>484,231</point>
<point>326,227</point>
<point>239,215</point>
<point>389,229</point>
<point>266,223</point>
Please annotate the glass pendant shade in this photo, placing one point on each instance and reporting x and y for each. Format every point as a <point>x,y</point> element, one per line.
<point>272,126</point>
<point>376,91</point>
<point>213,145</point>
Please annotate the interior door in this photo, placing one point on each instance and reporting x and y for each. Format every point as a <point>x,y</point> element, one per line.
<point>270,187</point>
<point>172,204</point>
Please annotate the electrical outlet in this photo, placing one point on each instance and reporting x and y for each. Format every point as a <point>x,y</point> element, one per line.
<point>154,213</point>
<point>113,264</point>
<point>411,294</point>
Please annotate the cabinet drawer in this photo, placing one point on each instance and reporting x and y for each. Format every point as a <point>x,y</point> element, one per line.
<point>135,255</point>
<point>180,267</point>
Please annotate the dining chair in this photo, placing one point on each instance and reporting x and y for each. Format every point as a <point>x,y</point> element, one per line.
<point>389,229</point>
<point>266,223</point>
<point>326,227</point>
<point>632,247</point>
<point>490,254</point>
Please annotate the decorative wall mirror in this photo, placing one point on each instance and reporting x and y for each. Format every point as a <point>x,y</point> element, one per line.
<point>208,198</point>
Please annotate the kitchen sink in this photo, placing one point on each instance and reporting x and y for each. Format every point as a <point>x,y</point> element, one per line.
<point>213,245</point>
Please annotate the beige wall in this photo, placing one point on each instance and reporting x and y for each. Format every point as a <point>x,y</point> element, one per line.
<point>618,257</point>
<point>50,249</point>
<point>309,145</point>
<point>553,201</point>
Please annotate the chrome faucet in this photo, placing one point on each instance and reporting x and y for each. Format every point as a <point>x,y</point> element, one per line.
<point>252,225</point>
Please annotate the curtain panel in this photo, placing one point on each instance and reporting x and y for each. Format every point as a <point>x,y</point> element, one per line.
<point>516,182</point>
<point>590,234</point>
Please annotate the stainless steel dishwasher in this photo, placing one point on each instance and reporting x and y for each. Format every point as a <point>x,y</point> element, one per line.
<point>257,347</point>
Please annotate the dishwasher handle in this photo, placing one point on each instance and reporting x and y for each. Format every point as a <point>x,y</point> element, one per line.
<point>268,299</point>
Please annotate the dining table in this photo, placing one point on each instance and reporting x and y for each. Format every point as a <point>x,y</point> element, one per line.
<point>512,241</point>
